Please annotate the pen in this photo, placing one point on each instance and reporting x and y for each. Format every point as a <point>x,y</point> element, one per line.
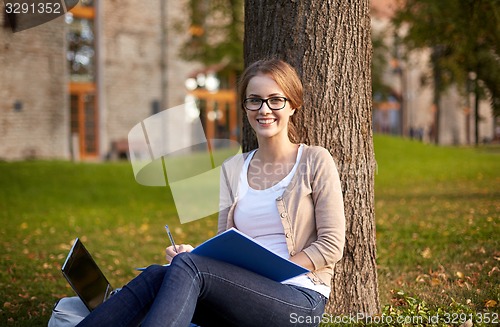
<point>171,239</point>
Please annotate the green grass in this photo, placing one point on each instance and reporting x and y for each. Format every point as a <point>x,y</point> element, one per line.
<point>436,212</point>
<point>45,205</point>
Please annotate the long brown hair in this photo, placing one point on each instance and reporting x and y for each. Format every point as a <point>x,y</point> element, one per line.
<point>287,79</point>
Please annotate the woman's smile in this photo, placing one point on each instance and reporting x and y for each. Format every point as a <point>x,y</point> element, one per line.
<point>265,122</point>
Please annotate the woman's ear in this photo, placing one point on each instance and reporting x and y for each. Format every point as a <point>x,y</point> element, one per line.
<point>292,112</point>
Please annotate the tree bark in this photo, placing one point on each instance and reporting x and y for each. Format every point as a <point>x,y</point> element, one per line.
<point>329,43</point>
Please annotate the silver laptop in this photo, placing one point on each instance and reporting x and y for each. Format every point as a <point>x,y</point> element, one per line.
<point>85,277</point>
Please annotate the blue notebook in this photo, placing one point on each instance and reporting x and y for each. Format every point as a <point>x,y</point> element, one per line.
<point>234,247</point>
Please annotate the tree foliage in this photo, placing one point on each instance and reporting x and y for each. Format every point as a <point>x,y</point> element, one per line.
<point>463,35</point>
<point>216,33</point>
<point>380,89</point>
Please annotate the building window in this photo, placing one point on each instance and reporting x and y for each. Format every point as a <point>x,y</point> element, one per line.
<point>81,59</point>
<point>81,53</point>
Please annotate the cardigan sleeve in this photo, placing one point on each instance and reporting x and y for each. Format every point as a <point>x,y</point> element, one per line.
<point>328,211</point>
<point>225,200</point>
<point>229,177</point>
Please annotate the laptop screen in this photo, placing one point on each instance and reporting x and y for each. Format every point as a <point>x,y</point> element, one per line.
<point>85,277</point>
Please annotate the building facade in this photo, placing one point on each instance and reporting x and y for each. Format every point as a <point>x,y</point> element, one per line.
<point>410,111</point>
<point>75,86</point>
<point>33,99</point>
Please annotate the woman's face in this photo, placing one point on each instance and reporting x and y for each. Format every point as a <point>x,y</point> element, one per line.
<point>265,122</point>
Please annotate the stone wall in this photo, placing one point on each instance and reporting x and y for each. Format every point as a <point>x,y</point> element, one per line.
<point>33,92</point>
<point>132,67</point>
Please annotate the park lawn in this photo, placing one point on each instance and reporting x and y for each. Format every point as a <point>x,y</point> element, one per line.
<point>436,212</point>
<point>45,205</point>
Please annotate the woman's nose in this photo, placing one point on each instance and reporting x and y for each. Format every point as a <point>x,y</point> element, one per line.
<point>265,108</point>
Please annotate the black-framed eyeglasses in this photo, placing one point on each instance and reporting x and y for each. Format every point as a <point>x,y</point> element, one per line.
<point>274,103</point>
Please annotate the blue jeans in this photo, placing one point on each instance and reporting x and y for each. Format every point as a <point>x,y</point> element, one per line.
<point>208,293</point>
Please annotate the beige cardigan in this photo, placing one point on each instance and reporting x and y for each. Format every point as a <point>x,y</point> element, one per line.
<point>311,209</point>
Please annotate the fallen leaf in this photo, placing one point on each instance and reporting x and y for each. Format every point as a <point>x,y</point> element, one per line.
<point>426,253</point>
<point>421,278</point>
<point>493,270</point>
<point>490,304</point>
<point>143,228</point>
<point>460,274</point>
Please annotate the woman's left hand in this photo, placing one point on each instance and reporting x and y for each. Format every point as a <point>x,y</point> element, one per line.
<point>302,260</point>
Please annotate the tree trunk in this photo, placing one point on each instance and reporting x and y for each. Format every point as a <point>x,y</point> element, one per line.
<point>329,44</point>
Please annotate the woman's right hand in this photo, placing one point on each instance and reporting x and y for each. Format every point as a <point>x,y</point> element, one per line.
<point>170,251</point>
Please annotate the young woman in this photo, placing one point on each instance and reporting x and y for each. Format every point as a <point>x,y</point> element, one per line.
<point>286,196</point>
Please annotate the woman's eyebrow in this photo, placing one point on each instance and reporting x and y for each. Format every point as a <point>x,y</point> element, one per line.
<point>259,96</point>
